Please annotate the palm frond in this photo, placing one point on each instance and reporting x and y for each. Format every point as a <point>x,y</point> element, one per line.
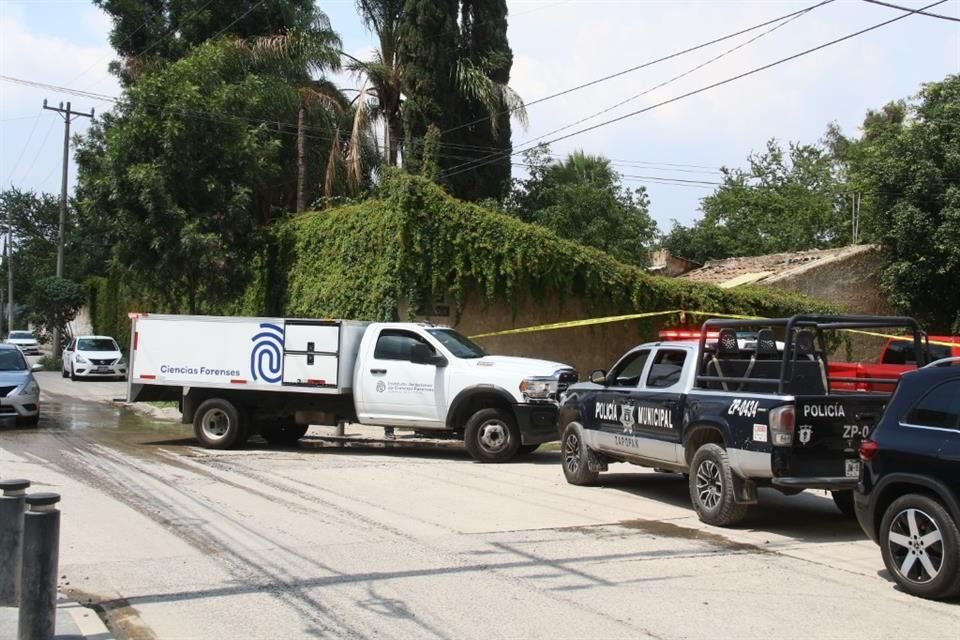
<point>334,160</point>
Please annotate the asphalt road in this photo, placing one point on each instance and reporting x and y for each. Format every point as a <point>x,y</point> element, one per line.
<point>174,541</point>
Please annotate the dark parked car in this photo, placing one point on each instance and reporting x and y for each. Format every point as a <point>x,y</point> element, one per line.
<point>908,497</point>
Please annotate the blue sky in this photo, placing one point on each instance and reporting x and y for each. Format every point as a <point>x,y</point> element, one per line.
<point>558,44</point>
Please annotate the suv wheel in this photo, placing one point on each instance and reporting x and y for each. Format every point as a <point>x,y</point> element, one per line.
<point>711,487</point>
<point>918,541</point>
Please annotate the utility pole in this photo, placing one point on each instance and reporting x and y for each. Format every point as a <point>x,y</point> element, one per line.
<point>9,253</point>
<point>68,116</point>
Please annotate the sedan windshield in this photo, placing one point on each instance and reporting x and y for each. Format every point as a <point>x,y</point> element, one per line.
<point>11,360</point>
<point>459,345</point>
<point>97,344</point>
<point>21,335</point>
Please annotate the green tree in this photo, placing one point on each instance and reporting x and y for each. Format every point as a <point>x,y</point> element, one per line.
<point>35,218</point>
<point>192,161</point>
<point>454,74</point>
<point>148,33</point>
<point>785,201</point>
<point>908,164</point>
<point>53,303</point>
<point>582,199</point>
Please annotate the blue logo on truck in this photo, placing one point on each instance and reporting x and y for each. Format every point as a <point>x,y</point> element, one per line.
<point>266,357</point>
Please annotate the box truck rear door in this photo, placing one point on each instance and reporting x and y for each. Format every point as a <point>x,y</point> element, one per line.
<point>311,350</point>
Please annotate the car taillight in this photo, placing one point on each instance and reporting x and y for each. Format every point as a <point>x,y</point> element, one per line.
<point>782,422</point>
<point>868,450</point>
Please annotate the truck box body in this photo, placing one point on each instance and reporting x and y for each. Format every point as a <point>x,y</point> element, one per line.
<point>266,354</point>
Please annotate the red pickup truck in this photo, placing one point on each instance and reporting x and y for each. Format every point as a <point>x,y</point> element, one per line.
<point>896,358</point>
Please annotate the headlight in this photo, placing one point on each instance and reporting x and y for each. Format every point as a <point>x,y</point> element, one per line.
<point>122,360</point>
<point>28,389</point>
<point>81,359</point>
<point>539,388</point>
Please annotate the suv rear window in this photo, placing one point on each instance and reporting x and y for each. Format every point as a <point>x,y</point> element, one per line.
<point>940,408</point>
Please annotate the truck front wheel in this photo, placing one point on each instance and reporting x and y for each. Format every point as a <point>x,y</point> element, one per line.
<point>492,436</point>
<point>576,457</point>
<point>218,424</point>
<point>711,487</point>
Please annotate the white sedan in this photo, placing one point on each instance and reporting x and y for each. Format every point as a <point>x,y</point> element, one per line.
<point>24,341</point>
<point>93,357</point>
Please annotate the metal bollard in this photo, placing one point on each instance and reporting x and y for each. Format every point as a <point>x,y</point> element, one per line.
<point>11,539</point>
<point>41,554</point>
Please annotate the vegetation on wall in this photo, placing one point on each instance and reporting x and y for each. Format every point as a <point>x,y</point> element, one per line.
<point>414,242</point>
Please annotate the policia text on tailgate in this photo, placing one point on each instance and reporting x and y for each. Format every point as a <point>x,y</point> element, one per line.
<point>746,404</point>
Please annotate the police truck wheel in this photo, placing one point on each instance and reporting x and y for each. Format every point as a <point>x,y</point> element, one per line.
<point>919,542</point>
<point>285,434</point>
<point>711,487</point>
<point>574,456</point>
<point>844,502</point>
<point>218,424</point>
<point>492,436</point>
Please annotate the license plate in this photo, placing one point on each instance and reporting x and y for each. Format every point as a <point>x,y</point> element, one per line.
<point>103,370</point>
<point>852,468</point>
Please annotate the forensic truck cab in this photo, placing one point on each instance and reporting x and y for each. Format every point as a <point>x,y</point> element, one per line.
<point>235,377</point>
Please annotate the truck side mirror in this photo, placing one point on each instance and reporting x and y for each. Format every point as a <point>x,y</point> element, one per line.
<point>422,354</point>
<point>598,376</point>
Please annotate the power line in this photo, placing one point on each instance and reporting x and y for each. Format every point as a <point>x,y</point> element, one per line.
<point>23,151</point>
<point>456,170</point>
<point>660,85</point>
<point>918,11</point>
<point>643,65</point>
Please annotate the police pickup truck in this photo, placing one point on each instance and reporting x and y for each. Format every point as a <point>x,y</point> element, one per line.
<point>746,404</point>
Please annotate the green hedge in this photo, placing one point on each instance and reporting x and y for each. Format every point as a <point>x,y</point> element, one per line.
<point>414,241</point>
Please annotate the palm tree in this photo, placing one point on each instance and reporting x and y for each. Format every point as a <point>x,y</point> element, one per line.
<point>383,84</point>
<point>300,56</point>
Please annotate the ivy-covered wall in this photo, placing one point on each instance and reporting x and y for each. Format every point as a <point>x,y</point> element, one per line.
<point>414,243</point>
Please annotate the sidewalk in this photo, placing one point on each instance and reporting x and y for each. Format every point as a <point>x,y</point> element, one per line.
<point>73,623</point>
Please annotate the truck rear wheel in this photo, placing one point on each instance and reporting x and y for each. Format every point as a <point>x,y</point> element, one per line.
<point>218,424</point>
<point>492,436</point>
<point>286,434</point>
<point>711,487</point>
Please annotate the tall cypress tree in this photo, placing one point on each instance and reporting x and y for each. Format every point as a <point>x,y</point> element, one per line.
<point>434,53</point>
<point>484,44</point>
<point>429,42</point>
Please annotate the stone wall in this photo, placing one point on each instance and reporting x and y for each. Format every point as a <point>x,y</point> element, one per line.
<point>586,348</point>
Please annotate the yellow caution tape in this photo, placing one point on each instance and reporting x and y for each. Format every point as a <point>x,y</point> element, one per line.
<point>577,323</point>
<point>939,343</point>
<point>571,324</point>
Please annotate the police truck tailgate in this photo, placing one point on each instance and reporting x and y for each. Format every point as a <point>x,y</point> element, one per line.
<point>827,433</point>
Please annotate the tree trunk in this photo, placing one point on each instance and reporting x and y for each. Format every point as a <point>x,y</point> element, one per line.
<point>301,159</point>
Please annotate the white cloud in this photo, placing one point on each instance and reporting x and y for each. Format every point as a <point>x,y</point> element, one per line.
<point>32,161</point>
<point>569,43</point>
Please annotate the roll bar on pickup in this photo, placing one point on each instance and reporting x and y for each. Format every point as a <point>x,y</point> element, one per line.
<point>818,324</point>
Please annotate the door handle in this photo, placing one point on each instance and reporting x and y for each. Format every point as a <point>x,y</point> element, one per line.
<point>375,371</point>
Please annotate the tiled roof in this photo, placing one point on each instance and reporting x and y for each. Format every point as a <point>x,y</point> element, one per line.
<point>734,272</point>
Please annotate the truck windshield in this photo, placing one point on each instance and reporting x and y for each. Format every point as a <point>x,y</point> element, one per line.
<point>459,345</point>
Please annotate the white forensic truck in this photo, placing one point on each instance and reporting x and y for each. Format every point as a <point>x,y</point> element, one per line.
<point>234,377</point>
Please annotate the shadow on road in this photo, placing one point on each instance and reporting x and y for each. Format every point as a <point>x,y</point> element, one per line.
<point>808,517</point>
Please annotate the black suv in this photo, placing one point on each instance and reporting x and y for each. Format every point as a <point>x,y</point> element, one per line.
<point>908,497</point>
